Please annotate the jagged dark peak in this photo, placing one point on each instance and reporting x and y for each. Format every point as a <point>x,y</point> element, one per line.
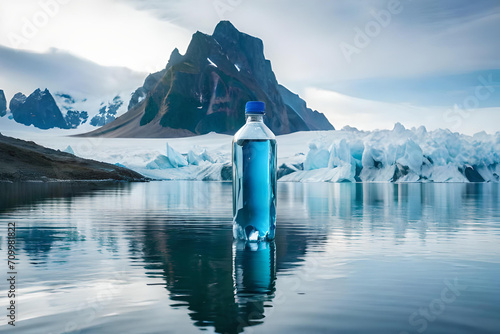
<point>225,30</point>
<point>226,34</point>
<point>201,45</point>
<point>175,58</point>
<point>19,97</point>
<point>16,101</point>
<point>38,109</point>
<point>149,83</point>
<point>38,93</point>
<point>225,27</point>
<point>245,51</point>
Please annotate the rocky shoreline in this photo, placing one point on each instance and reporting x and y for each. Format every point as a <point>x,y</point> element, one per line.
<point>23,161</point>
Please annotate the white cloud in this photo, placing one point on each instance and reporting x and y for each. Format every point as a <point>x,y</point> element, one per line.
<point>301,38</point>
<point>104,31</point>
<point>342,110</point>
<point>24,71</point>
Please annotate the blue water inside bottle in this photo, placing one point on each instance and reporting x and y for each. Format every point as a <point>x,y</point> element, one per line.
<point>254,189</point>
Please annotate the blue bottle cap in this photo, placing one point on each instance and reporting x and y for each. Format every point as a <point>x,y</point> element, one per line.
<point>255,107</point>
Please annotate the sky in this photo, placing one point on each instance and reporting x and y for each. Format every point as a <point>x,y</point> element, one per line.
<point>365,63</point>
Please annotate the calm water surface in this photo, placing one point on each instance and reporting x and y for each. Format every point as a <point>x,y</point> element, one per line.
<point>348,258</point>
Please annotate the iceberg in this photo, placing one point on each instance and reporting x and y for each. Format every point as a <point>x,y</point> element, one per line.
<point>160,162</point>
<point>400,155</point>
<point>347,155</point>
<point>413,156</point>
<point>197,155</point>
<point>317,157</point>
<point>173,159</point>
<point>69,150</point>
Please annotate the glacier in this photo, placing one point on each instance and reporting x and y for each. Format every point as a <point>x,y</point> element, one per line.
<point>347,155</point>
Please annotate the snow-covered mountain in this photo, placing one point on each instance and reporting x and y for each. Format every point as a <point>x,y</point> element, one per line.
<point>78,86</point>
<point>76,109</point>
<point>46,111</point>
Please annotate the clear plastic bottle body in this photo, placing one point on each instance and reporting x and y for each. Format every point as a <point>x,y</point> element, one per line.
<point>254,181</point>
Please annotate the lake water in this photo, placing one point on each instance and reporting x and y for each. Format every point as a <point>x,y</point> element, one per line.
<point>348,258</point>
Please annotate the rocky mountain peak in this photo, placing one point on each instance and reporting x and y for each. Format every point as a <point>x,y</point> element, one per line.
<point>225,30</point>
<point>206,90</point>
<point>39,94</point>
<point>38,109</point>
<point>175,58</point>
<point>17,100</point>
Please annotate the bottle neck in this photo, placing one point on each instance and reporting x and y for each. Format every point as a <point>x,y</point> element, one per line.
<point>255,118</point>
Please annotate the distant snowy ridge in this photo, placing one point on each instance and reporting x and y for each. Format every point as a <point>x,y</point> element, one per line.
<point>44,110</point>
<point>347,155</point>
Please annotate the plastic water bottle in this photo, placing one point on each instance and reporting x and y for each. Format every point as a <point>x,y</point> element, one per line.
<point>254,177</point>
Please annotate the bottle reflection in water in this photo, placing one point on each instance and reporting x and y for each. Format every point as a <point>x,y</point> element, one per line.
<point>254,178</point>
<point>254,270</point>
<point>254,276</point>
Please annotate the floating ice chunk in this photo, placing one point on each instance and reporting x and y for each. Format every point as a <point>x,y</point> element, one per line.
<point>448,173</point>
<point>439,156</point>
<point>193,158</point>
<point>481,136</point>
<point>350,128</point>
<point>69,150</point>
<point>161,162</point>
<point>175,158</point>
<point>371,174</point>
<point>316,157</point>
<point>345,173</point>
<point>357,147</point>
<point>340,154</point>
<point>210,172</point>
<point>394,152</point>
<point>373,157</point>
<point>196,155</point>
<point>421,131</point>
<point>413,157</point>
<point>205,156</point>
<point>399,128</point>
<point>410,177</point>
